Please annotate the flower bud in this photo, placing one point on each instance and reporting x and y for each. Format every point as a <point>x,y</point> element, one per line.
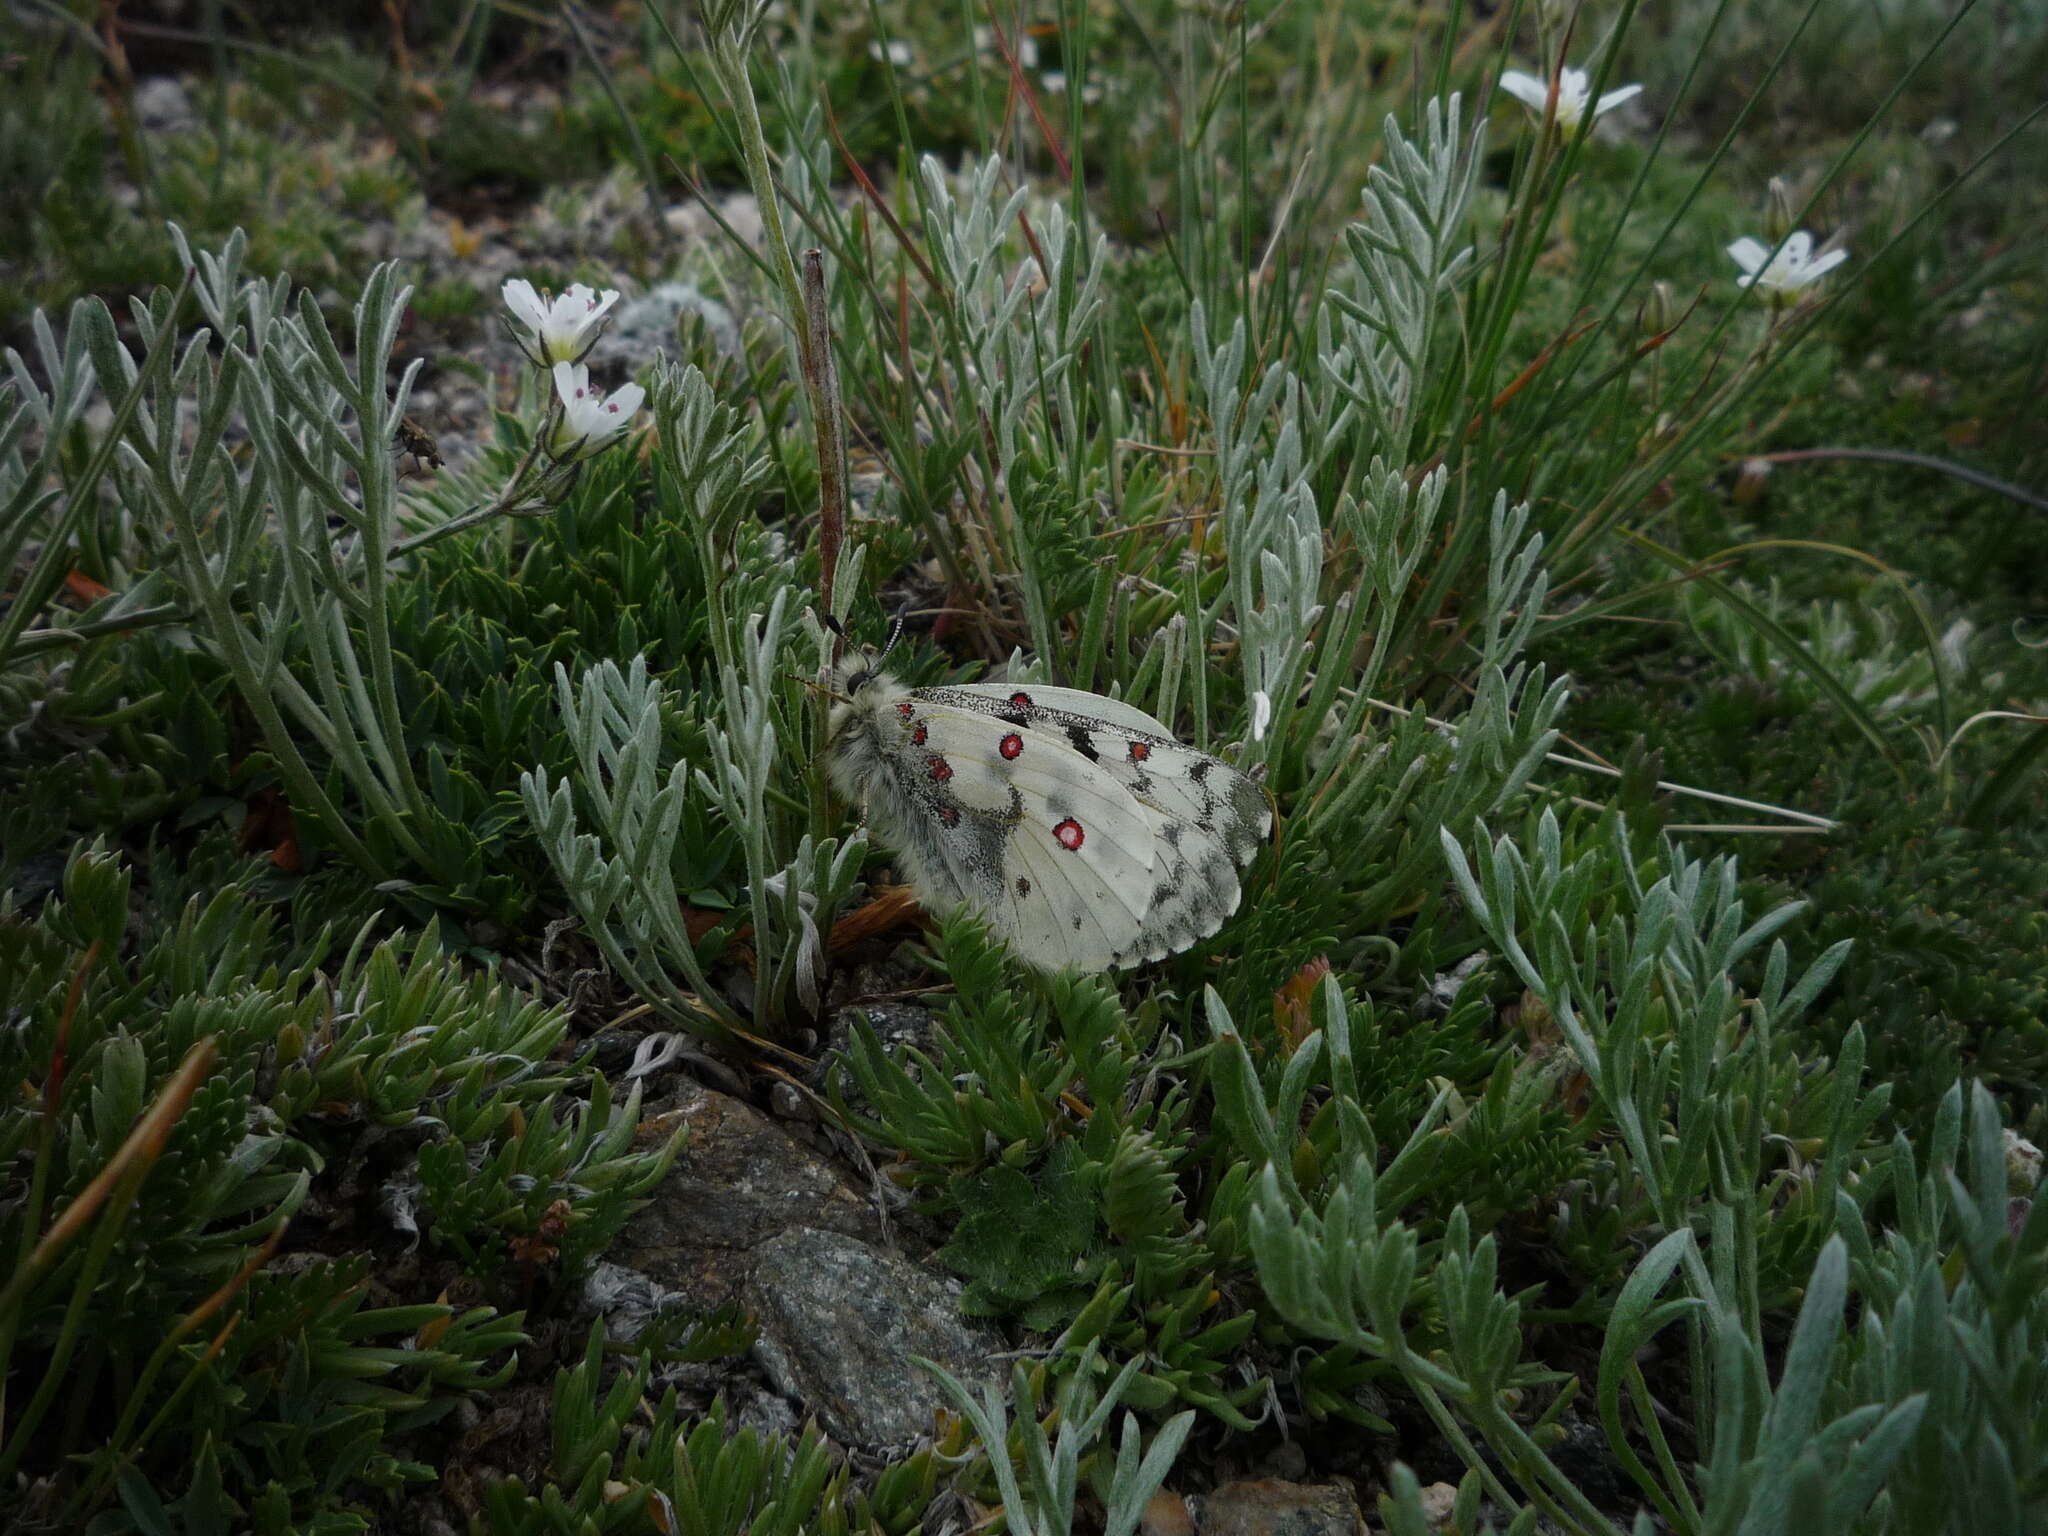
<point>1660,310</point>
<point>1749,481</point>
<point>1778,211</point>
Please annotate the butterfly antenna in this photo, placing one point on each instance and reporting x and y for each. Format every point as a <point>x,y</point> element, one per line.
<point>817,687</point>
<point>895,634</point>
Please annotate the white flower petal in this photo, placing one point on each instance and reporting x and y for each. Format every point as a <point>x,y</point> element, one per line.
<point>524,303</point>
<point>1527,89</point>
<point>1262,714</point>
<point>1613,99</point>
<point>1827,262</point>
<point>566,313</point>
<point>588,423</point>
<point>1749,254</point>
<point>1798,246</point>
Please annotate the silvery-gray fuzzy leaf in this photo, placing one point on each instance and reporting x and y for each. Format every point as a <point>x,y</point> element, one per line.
<point>1407,257</point>
<point>1273,531</point>
<point>1515,583</point>
<point>654,1052</point>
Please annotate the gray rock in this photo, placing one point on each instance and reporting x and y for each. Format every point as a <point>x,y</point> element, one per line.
<point>1270,1507</point>
<point>840,1322</point>
<point>740,1181</point>
<point>1439,1503</point>
<point>901,1028</point>
<point>644,328</point>
<point>162,106</point>
<point>689,222</point>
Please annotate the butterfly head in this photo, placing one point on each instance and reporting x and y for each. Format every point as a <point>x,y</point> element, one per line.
<point>846,683</point>
<point>848,679</point>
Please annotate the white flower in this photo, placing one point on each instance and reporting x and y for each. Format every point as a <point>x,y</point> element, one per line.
<point>1793,269</point>
<point>1054,83</point>
<point>1262,714</point>
<point>1021,45</point>
<point>558,330</point>
<point>588,424</point>
<point>1571,95</point>
<point>899,54</point>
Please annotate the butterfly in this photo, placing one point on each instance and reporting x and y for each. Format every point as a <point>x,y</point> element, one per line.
<point>1076,826</point>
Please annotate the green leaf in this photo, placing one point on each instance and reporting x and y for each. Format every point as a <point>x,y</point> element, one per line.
<point>1782,639</point>
<point>2007,779</point>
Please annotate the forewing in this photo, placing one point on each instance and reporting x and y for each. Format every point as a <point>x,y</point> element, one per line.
<point>1140,753</point>
<point>1055,853</point>
<point>1075,702</point>
<point>1206,820</point>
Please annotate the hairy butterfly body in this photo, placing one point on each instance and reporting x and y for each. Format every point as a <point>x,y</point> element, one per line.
<point>1075,825</point>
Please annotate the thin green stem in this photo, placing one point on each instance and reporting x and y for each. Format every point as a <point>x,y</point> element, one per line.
<point>233,645</point>
<point>730,65</point>
<point>37,641</point>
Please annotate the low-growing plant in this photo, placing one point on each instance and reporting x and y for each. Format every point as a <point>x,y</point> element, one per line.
<point>191,1092</point>
<point>606,1476</point>
<point>1506,1110</point>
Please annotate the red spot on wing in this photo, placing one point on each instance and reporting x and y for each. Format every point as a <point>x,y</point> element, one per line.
<point>1070,834</point>
<point>1011,746</point>
<point>919,735</point>
<point>1140,751</point>
<point>904,708</point>
<point>949,815</point>
<point>940,769</point>
<point>1021,699</point>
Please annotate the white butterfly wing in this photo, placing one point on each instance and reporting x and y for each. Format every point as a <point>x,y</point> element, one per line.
<point>1003,818</point>
<point>1071,701</point>
<point>1205,818</point>
<point>1077,850</point>
<point>1076,825</point>
<point>1190,786</point>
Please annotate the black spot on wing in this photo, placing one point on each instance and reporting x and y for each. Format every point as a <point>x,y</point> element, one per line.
<point>1083,742</point>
